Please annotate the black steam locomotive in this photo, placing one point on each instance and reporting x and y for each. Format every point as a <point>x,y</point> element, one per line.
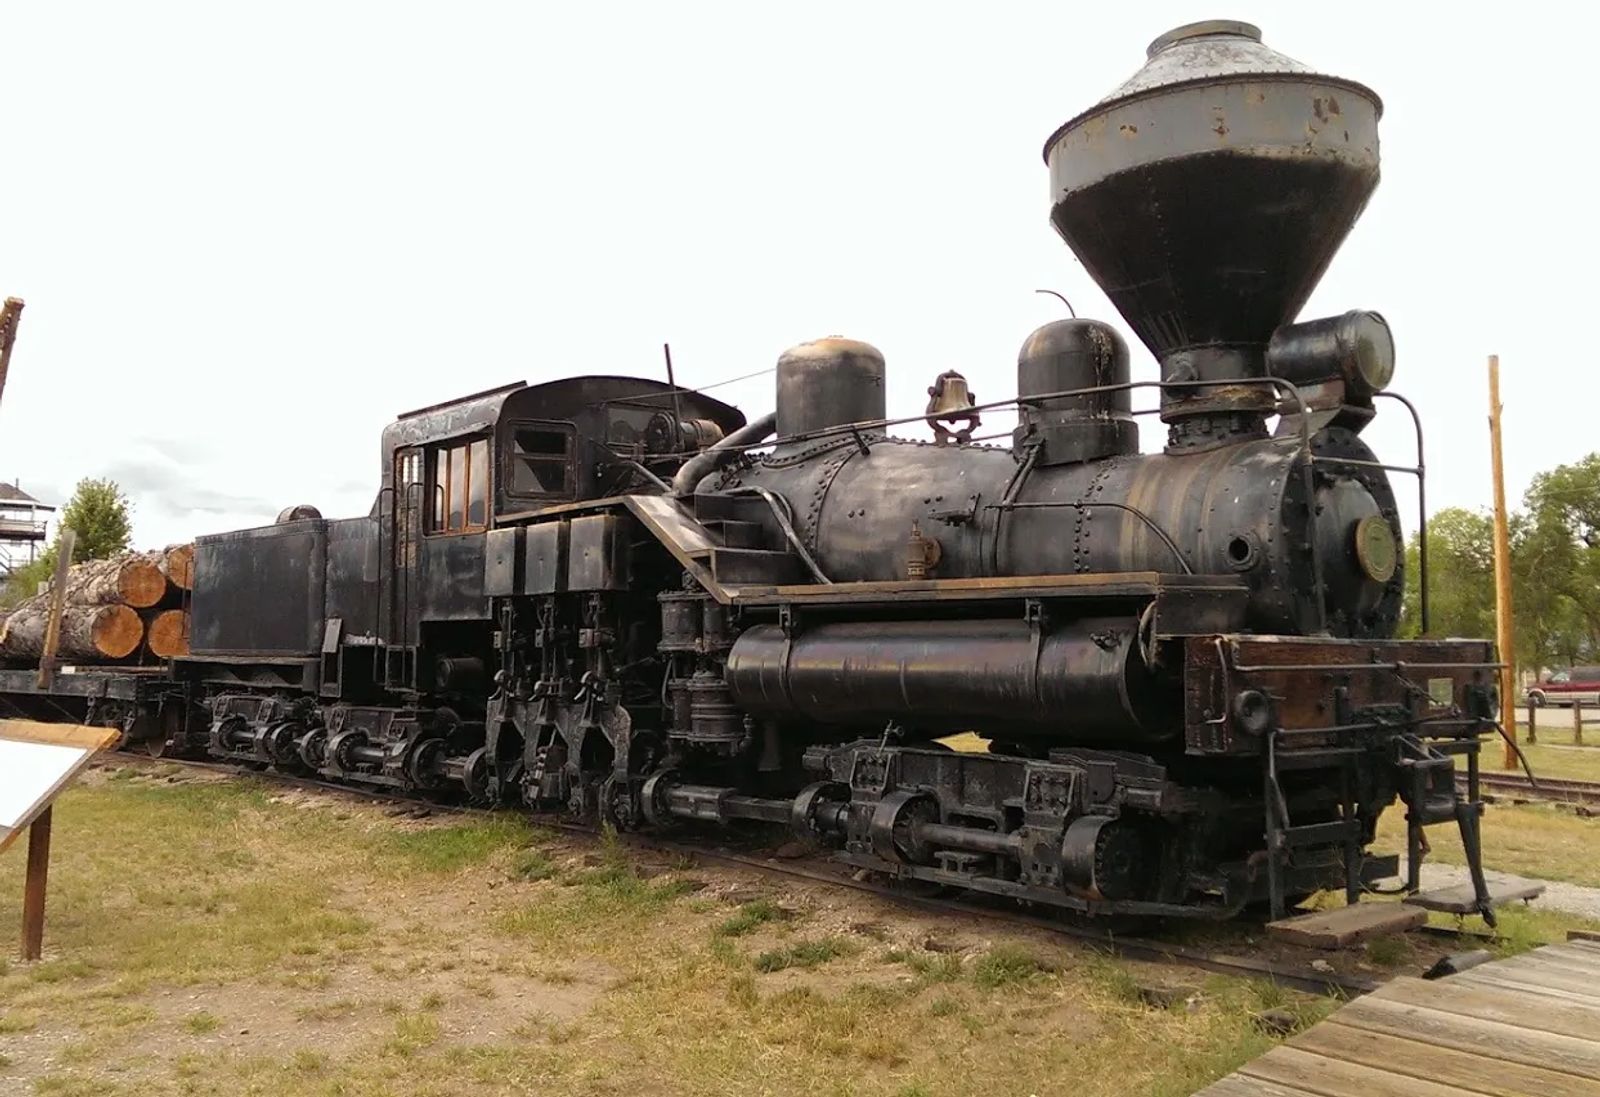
<point>619,598</point>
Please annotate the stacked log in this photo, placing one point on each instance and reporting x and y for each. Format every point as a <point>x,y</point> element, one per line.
<point>167,634</point>
<point>177,564</point>
<point>134,579</point>
<point>167,629</point>
<point>89,633</point>
<point>112,607</point>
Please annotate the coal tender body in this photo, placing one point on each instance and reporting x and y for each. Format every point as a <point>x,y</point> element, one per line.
<point>611,598</point>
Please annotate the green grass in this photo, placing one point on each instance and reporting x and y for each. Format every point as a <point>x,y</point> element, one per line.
<point>1008,963</point>
<point>930,967</point>
<point>1387,951</point>
<point>750,917</point>
<point>1555,754</point>
<point>533,864</point>
<point>1532,839</point>
<point>202,1022</point>
<point>413,1033</point>
<point>444,957</point>
<point>450,848</point>
<point>803,954</point>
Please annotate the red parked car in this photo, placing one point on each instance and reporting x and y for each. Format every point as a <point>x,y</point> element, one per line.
<point>1579,685</point>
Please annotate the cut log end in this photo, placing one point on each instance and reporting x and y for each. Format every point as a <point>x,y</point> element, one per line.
<point>178,563</point>
<point>140,582</point>
<point>116,631</point>
<point>168,636</point>
<point>137,579</point>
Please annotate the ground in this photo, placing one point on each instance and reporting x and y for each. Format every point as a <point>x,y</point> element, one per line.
<point>212,935</point>
<point>1555,754</point>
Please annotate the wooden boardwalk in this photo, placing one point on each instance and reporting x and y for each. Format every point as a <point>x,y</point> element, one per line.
<point>1525,1026</point>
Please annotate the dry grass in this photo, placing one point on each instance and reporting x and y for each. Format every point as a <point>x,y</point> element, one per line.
<point>1538,840</point>
<point>225,937</point>
<point>1555,754</point>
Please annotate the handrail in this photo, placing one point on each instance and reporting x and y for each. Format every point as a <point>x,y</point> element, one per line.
<point>1422,508</point>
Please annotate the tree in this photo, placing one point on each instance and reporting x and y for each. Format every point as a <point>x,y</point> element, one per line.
<point>1560,556</point>
<point>1555,570</point>
<point>100,517</point>
<point>1460,576</point>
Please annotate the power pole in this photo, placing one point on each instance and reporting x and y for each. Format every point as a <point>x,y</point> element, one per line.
<point>9,315</point>
<point>1504,637</point>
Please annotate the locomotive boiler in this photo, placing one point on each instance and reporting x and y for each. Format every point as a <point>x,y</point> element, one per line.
<point>620,599</point>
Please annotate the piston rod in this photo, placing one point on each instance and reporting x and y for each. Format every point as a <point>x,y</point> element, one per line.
<point>721,805</point>
<point>971,839</point>
<point>367,755</point>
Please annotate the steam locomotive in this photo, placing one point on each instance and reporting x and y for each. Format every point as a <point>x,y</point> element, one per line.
<point>618,598</point>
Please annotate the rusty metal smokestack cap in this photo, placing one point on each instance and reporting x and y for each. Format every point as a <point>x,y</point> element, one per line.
<point>1208,193</point>
<point>1206,28</point>
<point>1206,52</point>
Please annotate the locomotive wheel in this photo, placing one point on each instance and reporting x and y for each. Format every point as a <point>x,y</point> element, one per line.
<point>619,805</point>
<point>1106,858</point>
<point>894,826</point>
<point>278,741</point>
<point>312,748</point>
<point>475,776</point>
<point>420,763</point>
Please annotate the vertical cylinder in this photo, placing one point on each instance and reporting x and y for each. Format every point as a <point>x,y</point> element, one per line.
<point>829,383</point>
<point>1062,356</point>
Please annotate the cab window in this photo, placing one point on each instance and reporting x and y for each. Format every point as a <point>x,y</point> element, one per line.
<point>460,486</point>
<point>541,460</point>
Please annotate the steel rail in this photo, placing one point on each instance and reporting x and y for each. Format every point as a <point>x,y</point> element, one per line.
<point>1556,789</point>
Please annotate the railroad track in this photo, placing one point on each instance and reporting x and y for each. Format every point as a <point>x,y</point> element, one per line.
<point>1120,945</point>
<point>1557,789</point>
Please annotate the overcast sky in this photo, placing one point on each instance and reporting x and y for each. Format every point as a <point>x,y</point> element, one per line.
<point>250,234</point>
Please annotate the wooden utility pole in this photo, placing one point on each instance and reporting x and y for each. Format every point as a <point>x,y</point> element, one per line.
<point>1504,637</point>
<point>10,313</point>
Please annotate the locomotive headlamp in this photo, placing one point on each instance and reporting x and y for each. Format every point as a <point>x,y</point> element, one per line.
<point>1375,547</point>
<point>1357,347</point>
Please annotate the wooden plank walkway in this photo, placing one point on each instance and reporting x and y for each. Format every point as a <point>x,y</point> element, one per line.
<point>1529,1026</point>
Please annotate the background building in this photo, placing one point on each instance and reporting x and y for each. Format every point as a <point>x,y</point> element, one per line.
<point>23,528</point>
